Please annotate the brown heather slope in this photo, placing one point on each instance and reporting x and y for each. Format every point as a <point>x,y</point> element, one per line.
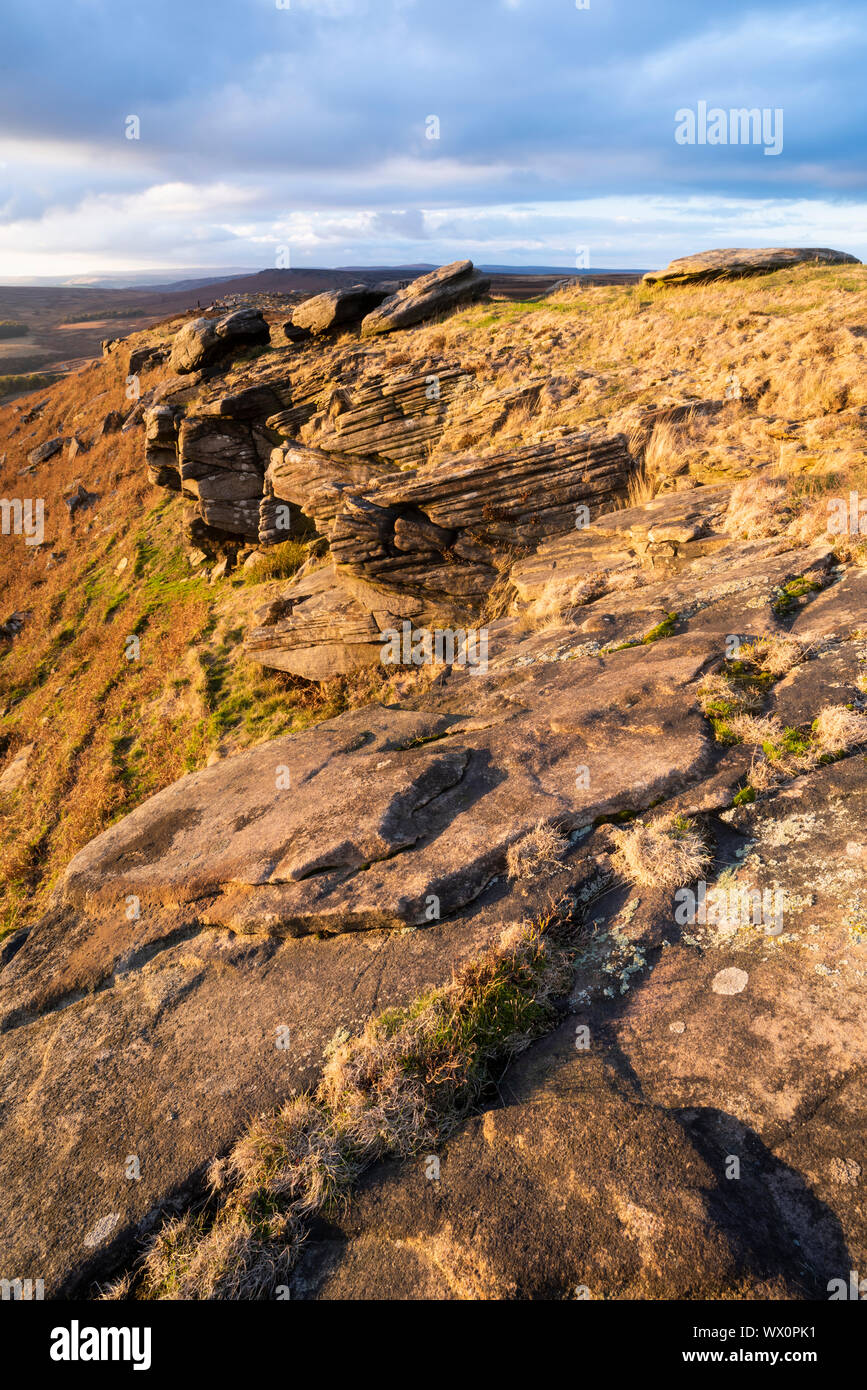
<point>106,731</point>
<point>289,984</point>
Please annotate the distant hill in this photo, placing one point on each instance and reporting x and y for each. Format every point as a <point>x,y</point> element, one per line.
<point>67,322</point>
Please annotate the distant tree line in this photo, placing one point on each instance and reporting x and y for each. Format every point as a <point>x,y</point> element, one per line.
<point>96,314</point>
<point>17,385</point>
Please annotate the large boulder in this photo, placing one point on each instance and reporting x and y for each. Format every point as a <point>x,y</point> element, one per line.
<point>204,340</point>
<point>336,308</point>
<point>730,263</point>
<point>436,293</point>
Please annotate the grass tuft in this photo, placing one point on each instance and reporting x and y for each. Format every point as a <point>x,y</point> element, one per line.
<point>664,853</point>
<point>400,1087</point>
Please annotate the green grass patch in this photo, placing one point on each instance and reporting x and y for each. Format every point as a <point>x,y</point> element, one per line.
<point>656,634</point>
<point>787,598</point>
<point>278,562</point>
<point>792,744</point>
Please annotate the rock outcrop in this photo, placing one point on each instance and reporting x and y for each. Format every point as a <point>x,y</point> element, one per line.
<point>222,466</point>
<point>351,830</point>
<point>204,340</point>
<point>394,419</point>
<point>441,290</point>
<point>732,263</point>
<point>336,308</point>
<point>408,543</point>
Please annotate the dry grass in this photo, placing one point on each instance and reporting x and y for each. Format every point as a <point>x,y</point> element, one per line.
<point>400,1087</point>
<point>838,729</point>
<point>719,697</point>
<point>759,507</point>
<point>663,853</point>
<point>641,489</point>
<point>775,655</point>
<point>755,729</point>
<point>538,854</point>
<point>610,354</point>
<point>732,698</point>
<point>558,603</point>
<point>781,753</point>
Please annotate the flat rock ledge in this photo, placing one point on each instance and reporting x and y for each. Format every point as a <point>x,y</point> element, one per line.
<point>730,263</point>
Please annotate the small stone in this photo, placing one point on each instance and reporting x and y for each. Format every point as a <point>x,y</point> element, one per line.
<point>730,981</point>
<point>844,1170</point>
<point>13,775</point>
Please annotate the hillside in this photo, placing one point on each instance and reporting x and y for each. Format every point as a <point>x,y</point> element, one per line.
<point>426,878</point>
<point>60,328</point>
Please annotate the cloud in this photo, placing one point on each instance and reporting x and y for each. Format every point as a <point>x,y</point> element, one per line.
<point>314,117</point>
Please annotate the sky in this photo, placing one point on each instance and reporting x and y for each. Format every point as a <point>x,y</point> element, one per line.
<point>335,132</point>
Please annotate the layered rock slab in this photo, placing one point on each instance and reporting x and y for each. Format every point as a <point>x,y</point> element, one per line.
<point>731,263</point>
<point>441,290</point>
<point>314,832</point>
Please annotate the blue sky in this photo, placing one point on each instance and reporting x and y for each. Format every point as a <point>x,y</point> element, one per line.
<point>300,132</point>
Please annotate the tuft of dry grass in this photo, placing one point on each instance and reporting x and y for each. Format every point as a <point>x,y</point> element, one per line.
<point>641,488</point>
<point>837,729</point>
<point>278,562</point>
<point>538,854</point>
<point>755,729</point>
<point>719,697</point>
<point>759,507</point>
<point>775,655</point>
<point>557,603</point>
<point>663,853</point>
